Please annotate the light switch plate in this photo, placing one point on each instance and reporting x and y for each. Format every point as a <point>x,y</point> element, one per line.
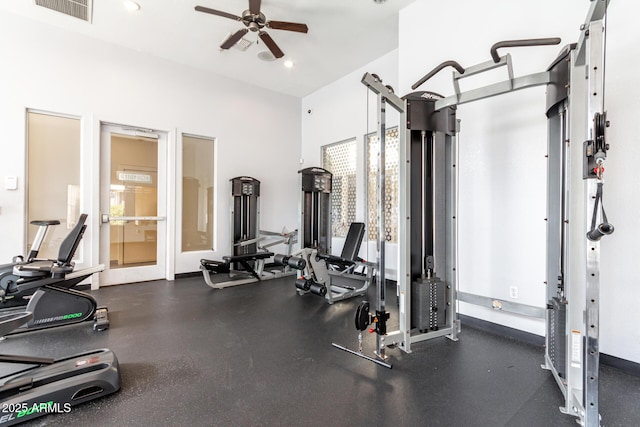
<point>10,182</point>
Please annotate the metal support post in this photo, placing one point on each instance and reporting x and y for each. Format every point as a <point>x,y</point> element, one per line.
<point>380,304</point>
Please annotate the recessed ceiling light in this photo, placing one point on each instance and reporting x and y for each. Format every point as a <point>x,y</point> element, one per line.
<point>289,63</point>
<point>131,5</point>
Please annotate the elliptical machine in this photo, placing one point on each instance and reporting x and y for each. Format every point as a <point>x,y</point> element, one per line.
<point>45,286</point>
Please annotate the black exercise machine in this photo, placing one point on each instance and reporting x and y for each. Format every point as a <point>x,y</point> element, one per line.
<point>45,287</point>
<point>315,213</point>
<point>52,385</point>
<point>250,244</point>
<point>333,277</point>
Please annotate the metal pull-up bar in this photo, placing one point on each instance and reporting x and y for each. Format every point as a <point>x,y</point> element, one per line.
<point>436,70</point>
<point>521,43</point>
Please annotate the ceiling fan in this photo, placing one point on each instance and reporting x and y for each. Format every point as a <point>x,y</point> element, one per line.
<point>255,21</point>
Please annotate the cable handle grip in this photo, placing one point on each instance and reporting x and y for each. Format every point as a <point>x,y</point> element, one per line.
<point>436,70</point>
<point>522,43</point>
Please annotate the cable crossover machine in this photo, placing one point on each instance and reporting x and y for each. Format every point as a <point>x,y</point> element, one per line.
<point>576,221</point>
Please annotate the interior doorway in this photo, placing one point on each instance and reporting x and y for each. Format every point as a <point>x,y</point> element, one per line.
<point>133,231</point>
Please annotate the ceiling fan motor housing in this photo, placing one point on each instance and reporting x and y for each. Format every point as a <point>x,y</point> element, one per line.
<point>252,21</point>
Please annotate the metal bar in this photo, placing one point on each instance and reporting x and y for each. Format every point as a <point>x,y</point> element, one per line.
<point>519,83</point>
<point>597,11</point>
<point>404,242</point>
<point>375,84</point>
<point>481,68</point>
<point>85,271</point>
<point>364,356</point>
<point>502,305</point>
<point>522,43</point>
<point>250,241</point>
<point>570,330</point>
<point>595,103</point>
<point>451,272</point>
<point>436,70</point>
<point>380,306</point>
<point>433,334</point>
<point>137,218</point>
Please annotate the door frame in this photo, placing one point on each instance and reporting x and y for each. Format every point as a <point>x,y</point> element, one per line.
<point>166,202</point>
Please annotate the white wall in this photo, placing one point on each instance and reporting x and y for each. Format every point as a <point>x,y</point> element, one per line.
<point>46,68</point>
<point>344,110</point>
<point>502,148</point>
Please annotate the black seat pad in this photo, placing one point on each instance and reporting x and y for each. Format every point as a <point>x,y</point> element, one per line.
<point>247,257</point>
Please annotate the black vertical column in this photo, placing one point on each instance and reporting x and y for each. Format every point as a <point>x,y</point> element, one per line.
<point>316,208</point>
<point>245,192</point>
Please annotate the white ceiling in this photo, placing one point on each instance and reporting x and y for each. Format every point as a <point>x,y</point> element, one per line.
<point>343,35</point>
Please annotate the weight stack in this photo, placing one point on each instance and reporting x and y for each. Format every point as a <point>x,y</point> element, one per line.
<point>428,304</point>
<point>557,333</point>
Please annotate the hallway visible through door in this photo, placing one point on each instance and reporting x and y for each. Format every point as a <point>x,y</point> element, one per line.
<point>132,205</point>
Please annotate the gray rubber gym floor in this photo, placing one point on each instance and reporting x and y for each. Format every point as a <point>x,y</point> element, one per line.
<point>259,354</point>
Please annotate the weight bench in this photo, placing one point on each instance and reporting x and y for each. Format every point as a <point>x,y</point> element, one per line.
<point>253,265</point>
<point>244,260</point>
<point>348,259</point>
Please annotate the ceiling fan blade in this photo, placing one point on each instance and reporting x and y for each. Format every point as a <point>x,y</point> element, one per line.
<point>289,26</point>
<point>218,13</point>
<point>233,38</point>
<point>273,47</point>
<point>254,7</point>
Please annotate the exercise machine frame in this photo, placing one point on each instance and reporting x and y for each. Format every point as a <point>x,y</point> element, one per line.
<point>576,152</point>
<point>250,244</point>
<point>335,278</point>
<point>45,286</point>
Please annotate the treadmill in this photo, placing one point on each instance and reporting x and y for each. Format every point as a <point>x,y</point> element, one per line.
<point>49,385</point>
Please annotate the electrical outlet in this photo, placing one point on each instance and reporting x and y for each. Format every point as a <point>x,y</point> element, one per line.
<point>513,292</point>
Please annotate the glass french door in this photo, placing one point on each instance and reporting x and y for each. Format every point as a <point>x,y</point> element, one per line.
<point>132,205</point>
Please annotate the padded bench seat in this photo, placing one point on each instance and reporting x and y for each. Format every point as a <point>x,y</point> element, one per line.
<point>244,259</point>
<point>247,257</point>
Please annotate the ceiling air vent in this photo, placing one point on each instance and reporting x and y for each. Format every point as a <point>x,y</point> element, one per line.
<point>243,44</point>
<point>80,9</point>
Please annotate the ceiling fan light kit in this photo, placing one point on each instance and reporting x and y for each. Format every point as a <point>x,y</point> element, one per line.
<point>255,21</point>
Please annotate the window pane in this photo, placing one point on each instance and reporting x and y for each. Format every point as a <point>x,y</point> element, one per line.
<point>340,160</point>
<point>197,193</point>
<point>53,177</point>
<point>391,157</point>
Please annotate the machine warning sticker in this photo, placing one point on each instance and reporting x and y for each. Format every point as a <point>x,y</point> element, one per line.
<point>576,349</point>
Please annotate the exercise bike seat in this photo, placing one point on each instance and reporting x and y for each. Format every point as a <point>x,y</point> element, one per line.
<point>63,264</point>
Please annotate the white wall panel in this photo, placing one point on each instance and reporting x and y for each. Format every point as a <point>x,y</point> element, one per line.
<point>49,69</point>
